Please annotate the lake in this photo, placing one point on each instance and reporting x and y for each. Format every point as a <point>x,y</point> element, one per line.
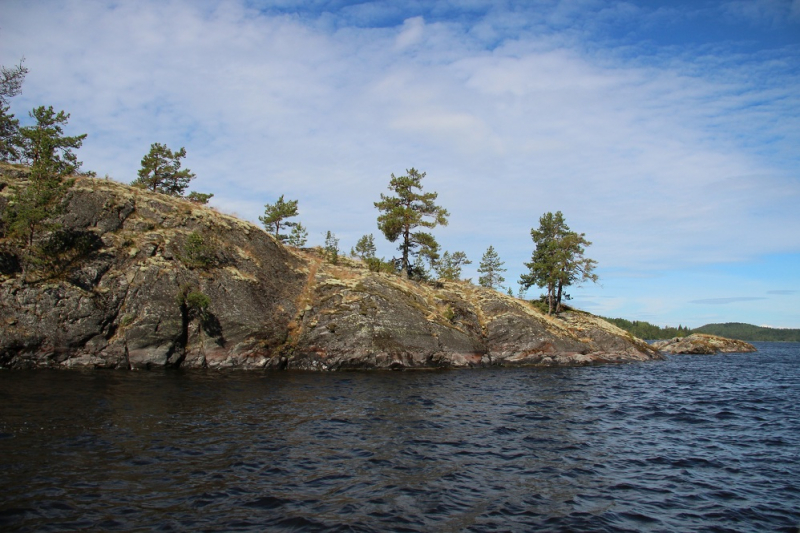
<point>702,443</point>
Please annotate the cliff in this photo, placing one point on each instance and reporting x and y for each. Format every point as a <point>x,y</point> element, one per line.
<point>699,343</point>
<point>117,291</point>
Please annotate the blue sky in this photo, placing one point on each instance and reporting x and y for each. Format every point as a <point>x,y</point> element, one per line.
<point>666,131</point>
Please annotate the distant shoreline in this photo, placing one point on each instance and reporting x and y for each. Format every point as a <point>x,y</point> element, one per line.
<point>731,330</point>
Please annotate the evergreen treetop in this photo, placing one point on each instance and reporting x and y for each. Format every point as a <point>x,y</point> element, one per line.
<point>365,247</point>
<point>450,265</point>
<point>275,216</point>
<point>10,85</point>
<point>405,211</point>
<point>161,171</point>
<point>491,267</point>
<point>558,259</point>
<point>45,147</point>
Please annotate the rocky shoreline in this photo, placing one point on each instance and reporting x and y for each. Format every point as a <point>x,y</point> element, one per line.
<point>117,303</point>
<point>700,343</point>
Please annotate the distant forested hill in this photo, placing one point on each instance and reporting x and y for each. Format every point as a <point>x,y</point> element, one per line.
<point>731,330</point>
<point>748,332</point>
<point>646,330</point>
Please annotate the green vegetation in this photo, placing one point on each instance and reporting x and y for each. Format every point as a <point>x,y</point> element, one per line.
<point>332,248</point>
<point>193,303</point>
<point>275,216</point>
<point>490,268</point>
<point>408,210</point>
<point>199,197</point>
<point>731,330</point>
<point>449,266</point>
<point>557,260</point>
<point>748,332</point>
<point>298,236</point>
<point>646,330</point>
<point>197,252</point>
<point>365,247</point>
<point>10,85</point>
<point>28,220</point>
<point>378,264</point>
<point>198,302</point>
<point>161,171</point>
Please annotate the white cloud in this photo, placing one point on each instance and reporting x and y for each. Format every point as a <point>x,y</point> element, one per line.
<point>410,33</point>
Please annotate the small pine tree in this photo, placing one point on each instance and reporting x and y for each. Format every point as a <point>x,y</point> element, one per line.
<point>199,197</point>
<point>332,247</point>
<point>522,292</point>
<point>491,267</point>
<point>365,248</point>
<point>275,216</point>
<point>449,266</point>
<point>298,236</point>
<point>161,171</point>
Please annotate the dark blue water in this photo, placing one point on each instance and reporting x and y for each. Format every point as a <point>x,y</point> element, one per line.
<point>696,443</point>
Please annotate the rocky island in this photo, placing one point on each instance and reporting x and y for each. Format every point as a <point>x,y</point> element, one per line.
<point>138,279</point>
<point>700,343</point>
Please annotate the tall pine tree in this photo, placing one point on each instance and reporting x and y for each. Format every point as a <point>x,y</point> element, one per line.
<point>557,260</point>
<point>406,211</point>
<point>49,153</point>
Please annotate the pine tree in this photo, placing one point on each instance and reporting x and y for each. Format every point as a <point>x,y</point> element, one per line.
<point>298,236</point>
<point>10,85</point>
<point>365,248</point>
<point>408,210</point>
<point>199,197</point>
<point>449,266</point>
<point>49,153</point>
<point>332,247</point>
<point>9,131</point>
<point>161,171</point>
<point>491,267</point>
<point>558,259</point>
<point>29,217</point>
<point>11,81</point>
<point>275,216</point>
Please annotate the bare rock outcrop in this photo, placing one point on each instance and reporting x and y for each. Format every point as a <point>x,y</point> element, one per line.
<point>700,343</point>
<point>119,301</point>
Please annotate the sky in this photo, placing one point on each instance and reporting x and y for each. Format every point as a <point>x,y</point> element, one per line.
<point>666,131</point>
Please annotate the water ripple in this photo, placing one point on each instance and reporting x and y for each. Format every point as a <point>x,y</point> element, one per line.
<point>693,443</point>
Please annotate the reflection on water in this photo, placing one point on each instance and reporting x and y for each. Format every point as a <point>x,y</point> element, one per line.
<point>691,443</point>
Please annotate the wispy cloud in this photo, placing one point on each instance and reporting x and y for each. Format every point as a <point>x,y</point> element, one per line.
<point>725,301</point>
<point>783,292</point>
<point>769,12</point>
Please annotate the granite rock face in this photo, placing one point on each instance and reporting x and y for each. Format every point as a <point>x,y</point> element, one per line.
<point>699,343</point>
<point>120,302</point>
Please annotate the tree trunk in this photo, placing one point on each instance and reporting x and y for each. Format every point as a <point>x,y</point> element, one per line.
<point>558,297</point>
<point>406,264</point>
